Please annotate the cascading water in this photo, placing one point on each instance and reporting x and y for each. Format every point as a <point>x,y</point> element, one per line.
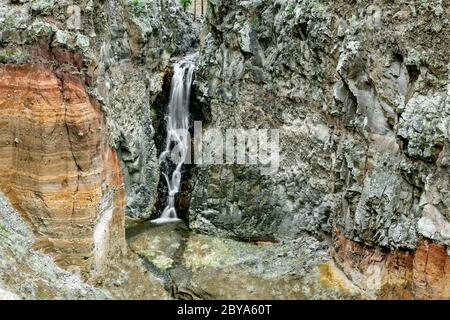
<point>177,119</point>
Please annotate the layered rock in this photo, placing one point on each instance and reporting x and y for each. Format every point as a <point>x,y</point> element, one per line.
<point>57,166</point>
<point>30,274</point>
<point>360,96</point>
<point>397,274</point>
<point>77,81</point>
<point>120,49</point>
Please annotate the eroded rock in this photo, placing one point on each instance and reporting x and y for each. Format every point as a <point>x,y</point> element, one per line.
<point>206,267</point>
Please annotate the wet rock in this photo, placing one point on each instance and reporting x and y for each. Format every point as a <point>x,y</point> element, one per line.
<point>207,267</point>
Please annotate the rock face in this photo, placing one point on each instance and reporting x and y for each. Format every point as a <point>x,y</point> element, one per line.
<point>358,92</point>
<point>120,50</point>
<point>132,54</point>
<point>26,273</point>
<point>77,80</point>
<point>423,274</point>
<point>29,274</point>
<point>361,98</point>
<point>198,266</point>
<point>57,166</point>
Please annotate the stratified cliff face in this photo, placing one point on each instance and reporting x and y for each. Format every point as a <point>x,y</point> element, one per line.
<point>119,50</point>
<point>360,94</point>
<point>57,166</point>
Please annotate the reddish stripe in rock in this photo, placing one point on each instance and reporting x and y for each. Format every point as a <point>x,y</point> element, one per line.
<point>395,274</point>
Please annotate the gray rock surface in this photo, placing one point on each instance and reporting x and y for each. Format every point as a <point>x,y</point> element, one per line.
<point>197,266</point>
<point>361,98</point>
<point>29,274</point>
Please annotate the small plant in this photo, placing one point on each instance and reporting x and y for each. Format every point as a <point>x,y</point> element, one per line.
<point>4,56</point>
<point>320,7</point>
<point>290,8</point>
<point>138,7</point>
<point>185,4</point>
<point>42,295</point>
<point>255,22</point>
<point>12,56</point>
<point>3,229</point>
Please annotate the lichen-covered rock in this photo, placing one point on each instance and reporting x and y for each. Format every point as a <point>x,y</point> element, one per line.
<point>207,267</point>
<point>425,125</point>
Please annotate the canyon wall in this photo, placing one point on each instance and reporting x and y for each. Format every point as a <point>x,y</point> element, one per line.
<point>76,139</point>
<point>57,166</point>
<point>360,94</point>
<point>134,43</point>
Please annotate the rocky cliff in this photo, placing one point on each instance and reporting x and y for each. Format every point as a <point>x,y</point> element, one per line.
<point>360,95</point>
<point>358,208</point>
<point>57,167</point>
<point>76,150</point>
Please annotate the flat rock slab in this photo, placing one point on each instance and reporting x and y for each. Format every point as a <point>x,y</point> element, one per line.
<point>198,266</point>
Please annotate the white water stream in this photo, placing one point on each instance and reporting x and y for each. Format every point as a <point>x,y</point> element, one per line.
<point>177,119</point>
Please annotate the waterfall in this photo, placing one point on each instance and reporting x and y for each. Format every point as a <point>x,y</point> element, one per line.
<point>174,155</point>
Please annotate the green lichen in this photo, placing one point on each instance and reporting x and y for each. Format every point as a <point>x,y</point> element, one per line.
<point>290,8</point>
<point>319,7</point>
<point>185,3</point>
<point>8,22</point>
<point>138,7</point>
<point>13,56</point>
<point>255,22</point>
<point>3,229</point>
<point>42,295</point>
<point>42,29</point>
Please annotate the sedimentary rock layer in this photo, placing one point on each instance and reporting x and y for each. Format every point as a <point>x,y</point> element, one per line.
<point>57,167</point>
<point>423,274</point>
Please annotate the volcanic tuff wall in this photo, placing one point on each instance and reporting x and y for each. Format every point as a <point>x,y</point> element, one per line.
<point>76,82</point>
<point>360,93</point>
<point>57,167</point>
